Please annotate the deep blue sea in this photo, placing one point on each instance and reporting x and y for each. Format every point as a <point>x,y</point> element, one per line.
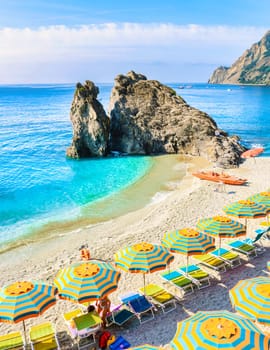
<point>38,184</point>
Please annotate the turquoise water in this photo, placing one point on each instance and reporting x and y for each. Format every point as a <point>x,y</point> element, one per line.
<point>39,185</point>
<point>239,110</point>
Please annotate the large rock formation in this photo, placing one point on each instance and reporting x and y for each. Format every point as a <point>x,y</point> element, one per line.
<point>253,67</point>
<point>90,123</point>
<point>149,118</point>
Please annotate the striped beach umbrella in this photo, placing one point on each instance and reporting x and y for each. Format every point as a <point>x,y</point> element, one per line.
<point>251,298</point>
<point>219,330</point>
<point>261,198</point>
<point>188,241</point>
<point>268,265</point>
<point>246,209</point>
<point>86,281</point>
<point>22,300</point>
<point>143,258</point>
<point>146,347</point>
<point>221,227</point>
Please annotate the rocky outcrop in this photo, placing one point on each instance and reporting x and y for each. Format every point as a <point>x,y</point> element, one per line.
<point>253,67</point>
<point>90,123</point>
<point>149,118</point>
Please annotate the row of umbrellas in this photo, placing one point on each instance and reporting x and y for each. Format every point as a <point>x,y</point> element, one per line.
<point>88,281</point>
<point>217,329</point>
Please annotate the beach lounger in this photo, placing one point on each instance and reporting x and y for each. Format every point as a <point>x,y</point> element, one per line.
<point>211,262</point>
<point>176,279</point>
<point>198,276</point>
<point>119,315</point>
<point>68,317</point>
<point>257,241</point>
<point>229,257</point>
<point>12,341</point>
<point>246,249</point>
<point>140,306</point>
<point>87,326</point>
<point>43,337</point>
<point>160,297</point>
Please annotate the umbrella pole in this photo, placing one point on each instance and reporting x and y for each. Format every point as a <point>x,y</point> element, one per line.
<point>187,265</point>
<point>219,244</point>
<point>24,333</point>
<point>144,283</point>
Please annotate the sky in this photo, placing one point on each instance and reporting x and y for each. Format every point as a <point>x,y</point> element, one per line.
<point>66,41</point>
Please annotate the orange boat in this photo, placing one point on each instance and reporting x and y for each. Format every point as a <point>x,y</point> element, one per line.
<point>217,177</point>
<point>253,152</point>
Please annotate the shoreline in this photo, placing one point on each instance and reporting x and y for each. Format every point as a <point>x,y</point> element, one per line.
<point>162,176</point>
<point>189,201</point>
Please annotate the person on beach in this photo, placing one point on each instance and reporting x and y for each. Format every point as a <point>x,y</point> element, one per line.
<point>103,308</point>
<point>85,253</point>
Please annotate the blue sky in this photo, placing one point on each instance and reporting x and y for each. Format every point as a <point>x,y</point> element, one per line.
<point>175,40</point>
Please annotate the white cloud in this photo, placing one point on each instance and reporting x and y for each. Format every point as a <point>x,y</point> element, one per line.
<point>131,43</point>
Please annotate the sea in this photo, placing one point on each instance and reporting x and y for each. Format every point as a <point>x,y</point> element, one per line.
<point>39,185</point>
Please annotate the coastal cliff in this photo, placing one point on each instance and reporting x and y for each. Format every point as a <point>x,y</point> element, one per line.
<point>90,123</point>
<point>253,67</point>
<point>147,118</point>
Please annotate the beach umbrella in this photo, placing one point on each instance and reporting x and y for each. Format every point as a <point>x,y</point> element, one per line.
<point>188,241</point>
<point>221,227</point>
<point>143,258</point>
<point>251,298</point>
<point>146,347</point>
<point>86,281</point>
<point>22,300</point>
<point>218,330</point>
<point>262,198</point>
<point>246,209</point>
<point>268,265</point>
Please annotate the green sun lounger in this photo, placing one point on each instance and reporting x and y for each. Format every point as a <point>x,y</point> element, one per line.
<point>244,248</point>
<point>43,337</point>
<point>211,262</point>
<point>11,341</point>
<point>197,275</point>
<point>160,297</point>
<point>176,279</point>
<point>229,257</point>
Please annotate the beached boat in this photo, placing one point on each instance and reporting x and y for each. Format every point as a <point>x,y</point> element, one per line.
<point>217,177</point>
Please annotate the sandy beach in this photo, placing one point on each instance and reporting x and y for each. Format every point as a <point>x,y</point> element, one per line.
<point>187,201</point>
